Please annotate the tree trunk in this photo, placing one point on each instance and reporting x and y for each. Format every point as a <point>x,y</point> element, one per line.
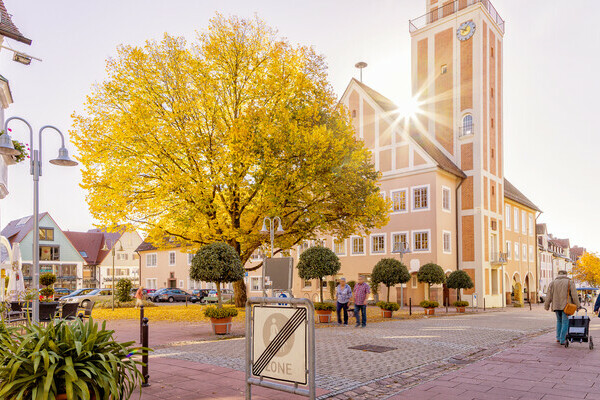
<point>321,288</point>
<point>219,303</point>
<point>458,294</point>
<point>388,294</point>
<point>239,289</point>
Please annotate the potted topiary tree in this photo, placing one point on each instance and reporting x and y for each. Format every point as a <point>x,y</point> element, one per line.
<point>389,272</point>
<point>218,263</point>
<point>431,274</point>
<point>316,263</point>
<point>47,293</point>
<point>429,306</point>
<point>459,280</point>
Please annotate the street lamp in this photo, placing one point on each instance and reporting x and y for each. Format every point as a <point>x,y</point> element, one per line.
<point>402,249</point>
<point>112,249</point>
<point>35,170</point>
<point>272,232</point>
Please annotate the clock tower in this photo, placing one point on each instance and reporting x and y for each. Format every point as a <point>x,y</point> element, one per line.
<point>457,78</point>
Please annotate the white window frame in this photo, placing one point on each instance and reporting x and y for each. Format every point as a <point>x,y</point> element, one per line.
<point>507,216</point>
<point>259,286</point>
<point>181,283</point>
<point>151,255</point>
<point>414,283</point>
<point>523,222</point>
<point>517,250</point>
<point>446,189</point>
<point>508,250</point>
<point>304,286</point>
<point>151,283</point>
<point>414,241</point>
<point>335,250</point>
<point>393,234</point>
<point>406,200</point>
<point>531,225</point>
<point>364,252</point>
<point>172,253</point>
<point>447,234</point>
<point>531,253</point>
<point>516,219</point>
<point>377,235</point>
<point>524,252</point>
<point>412,198</point>
<point>190,256</point>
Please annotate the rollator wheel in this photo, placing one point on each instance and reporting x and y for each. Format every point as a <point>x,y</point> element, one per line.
<point>566,343</point>
<point>591,343</point>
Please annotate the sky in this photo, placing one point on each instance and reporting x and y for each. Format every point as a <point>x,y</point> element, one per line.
<point>550,84</point>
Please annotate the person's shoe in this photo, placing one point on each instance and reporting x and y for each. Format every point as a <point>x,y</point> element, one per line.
<point>363,326</point>
<point>557,341</point>
<point>357,325</point>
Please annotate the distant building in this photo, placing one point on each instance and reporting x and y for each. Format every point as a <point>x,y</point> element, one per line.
<point>546,271</point>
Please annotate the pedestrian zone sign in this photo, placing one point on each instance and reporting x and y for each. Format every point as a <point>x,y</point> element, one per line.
<point>279,343</point>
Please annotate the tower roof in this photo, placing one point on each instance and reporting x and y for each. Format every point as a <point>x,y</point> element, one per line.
<point>8,28</point>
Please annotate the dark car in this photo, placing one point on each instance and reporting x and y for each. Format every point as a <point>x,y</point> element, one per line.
<point>172,295</point>
<point>200,293</point>
<point>60,292</point>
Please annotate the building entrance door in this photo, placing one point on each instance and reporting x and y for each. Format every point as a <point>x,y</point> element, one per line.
<point>172,283</point>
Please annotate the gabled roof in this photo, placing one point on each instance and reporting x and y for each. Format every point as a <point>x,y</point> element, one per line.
<point>514,194</point>
<point>16,230</point>
<point>564,243</point>
<point>576,252</point>
<point>88,244</point>
<point>168,242</point>
<point>8,28</point>
<point>109,238</point>
<point>540,229</point>
<point>421,139</point>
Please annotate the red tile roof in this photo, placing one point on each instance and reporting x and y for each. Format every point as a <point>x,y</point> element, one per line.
<point>8,28</point>
<point>514,194</point>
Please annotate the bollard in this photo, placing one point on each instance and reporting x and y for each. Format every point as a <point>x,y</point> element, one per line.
<point>145,353</point>
<point>410,306</point>
<point>484,304</point>
<point>447,301</point>
<point>141,323</point>
<point>529,304</point>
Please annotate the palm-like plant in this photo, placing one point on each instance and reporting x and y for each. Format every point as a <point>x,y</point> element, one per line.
<point>79,359</point>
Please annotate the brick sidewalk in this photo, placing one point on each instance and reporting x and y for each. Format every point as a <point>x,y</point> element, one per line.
<point>536,369</point>
<point>178,379</point>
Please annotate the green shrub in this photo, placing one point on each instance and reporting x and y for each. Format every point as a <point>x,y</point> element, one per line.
<point>386,305</point>
<point>460,303</point>
<point>47,279</point>
<point>218,313</point>
<point>431,274</point>
<point>321,306</point>
<point>123,293</point>
<point>429,304</point>
<point>75,358</point>
<point>331,285</point>
<point>47,293</point>
<point>120,304</point>
<point>351,284</point>
<point>459,280</point>
<point>317,263</point>
<point>390,272</point>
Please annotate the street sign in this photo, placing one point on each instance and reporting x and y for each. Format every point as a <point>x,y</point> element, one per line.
<point>279,343</point>
<point>280,272</point>
<point>280,347</point>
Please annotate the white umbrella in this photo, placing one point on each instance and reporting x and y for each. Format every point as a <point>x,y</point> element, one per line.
<point>16,283</point>
<point>6,258</point>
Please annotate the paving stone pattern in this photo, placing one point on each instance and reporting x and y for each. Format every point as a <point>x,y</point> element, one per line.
<point>419,343</point>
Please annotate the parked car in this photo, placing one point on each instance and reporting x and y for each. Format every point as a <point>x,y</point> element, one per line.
<point>95,295</point>
<point>226,295</point>
<point>173,294</point>
<point>60,292</point>
<point>200,293</point>
<point>153,296</point>
<point>77,292</point>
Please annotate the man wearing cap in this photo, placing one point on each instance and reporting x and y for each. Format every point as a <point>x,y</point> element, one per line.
<point>561,291</point>
<point>343,293</point>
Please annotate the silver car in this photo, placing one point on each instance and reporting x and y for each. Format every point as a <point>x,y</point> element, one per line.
<point>95,295</point>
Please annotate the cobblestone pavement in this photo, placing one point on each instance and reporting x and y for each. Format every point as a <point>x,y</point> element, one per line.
<point>437,343</point>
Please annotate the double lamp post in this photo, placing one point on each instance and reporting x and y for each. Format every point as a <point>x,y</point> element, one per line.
<point>35,170</point>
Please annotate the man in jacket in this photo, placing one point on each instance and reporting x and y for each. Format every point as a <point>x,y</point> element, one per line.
<point>561,291</point>
<point>361,291</point>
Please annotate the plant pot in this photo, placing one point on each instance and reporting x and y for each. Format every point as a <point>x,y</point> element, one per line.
<point>386,313</point>
<point>221,326</point>
<point>430,311</point>
<point>324,316</point>
<point>460,309</point>
<point>64,397</point>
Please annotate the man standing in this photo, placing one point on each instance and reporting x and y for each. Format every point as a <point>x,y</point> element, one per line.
<point>343,293</point>
<point>361,291</point>
<point>561,291</point>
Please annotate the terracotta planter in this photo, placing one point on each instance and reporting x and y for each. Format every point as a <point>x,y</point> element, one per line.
<point>221,326</point>
<point>460,309</point>
<point>64,397</point>
<point>430,311</point>
<point>386,313</point>
<point>324,316</point>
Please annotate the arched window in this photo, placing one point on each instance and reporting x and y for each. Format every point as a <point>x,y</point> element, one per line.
<point>467,125</point>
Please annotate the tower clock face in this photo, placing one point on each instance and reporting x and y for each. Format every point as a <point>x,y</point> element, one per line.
<point>465,30</point>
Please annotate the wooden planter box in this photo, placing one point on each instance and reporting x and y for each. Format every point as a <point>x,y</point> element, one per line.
<point>324,316</point>
<point>221,326</point>
<point>460,309</point>
<point>386,313</point>
<point>430,311</point>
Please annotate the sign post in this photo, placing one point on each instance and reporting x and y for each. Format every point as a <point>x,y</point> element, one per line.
<point>280,345</point>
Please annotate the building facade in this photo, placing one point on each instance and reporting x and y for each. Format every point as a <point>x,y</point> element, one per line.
<point>545,257</point>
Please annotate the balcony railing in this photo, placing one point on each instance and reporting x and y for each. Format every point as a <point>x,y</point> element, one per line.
<point>452,8</point>
<point>498,258</point>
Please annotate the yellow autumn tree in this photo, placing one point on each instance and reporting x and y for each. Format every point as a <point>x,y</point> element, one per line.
<point>587,269</point>
<point>198,142</point>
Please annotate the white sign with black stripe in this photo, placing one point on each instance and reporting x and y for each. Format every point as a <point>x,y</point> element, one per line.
<point>279,343</point>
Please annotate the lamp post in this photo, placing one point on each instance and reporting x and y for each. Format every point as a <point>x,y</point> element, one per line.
<point>112,250</point>
<point>35,170</point>
<point>272,232</point>
<point>401,248</point>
